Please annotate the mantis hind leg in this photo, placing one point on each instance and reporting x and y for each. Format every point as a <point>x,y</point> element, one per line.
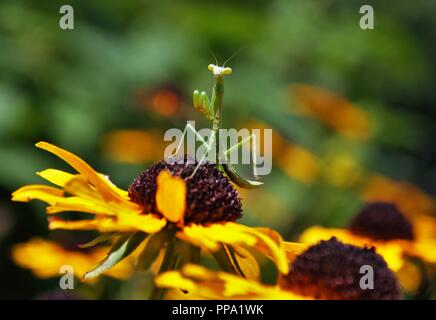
<point>232,173</point>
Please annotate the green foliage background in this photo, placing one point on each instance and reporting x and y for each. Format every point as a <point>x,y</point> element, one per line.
<point>72,87</point>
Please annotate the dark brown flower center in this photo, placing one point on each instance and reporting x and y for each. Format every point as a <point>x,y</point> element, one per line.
<point>382,221</point>
<point>210,197</point>
<point>332,270</point>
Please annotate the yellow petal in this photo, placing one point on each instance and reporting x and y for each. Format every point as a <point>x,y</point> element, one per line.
<point>80,187</point>
<point>410,277</point>
<point>88,199</point>
<point>424,249</point>
<point>212,236</point>
<point>424,227</point>
<point>126,223</point>
<point>92,203</point>
<point>171,196</point>
<point>171,278</point>
<point>83,168</point>
<point>208,284</point>
<point>36,191</point>
<point>61,178</point>
<point>57,177</point>
<point>80,205</point>
<point>147,223</point>
<point>270,243</point>
<point>247,263</point>
<point>293,249</point>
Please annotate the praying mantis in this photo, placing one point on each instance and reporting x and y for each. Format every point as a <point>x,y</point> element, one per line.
<point>211,109</point>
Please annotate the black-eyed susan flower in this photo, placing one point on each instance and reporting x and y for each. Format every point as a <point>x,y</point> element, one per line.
<point>164,206</point>
<point>45,259</point>
<point>384,227</point>
<point>409,198</point>
<point>327,270</point>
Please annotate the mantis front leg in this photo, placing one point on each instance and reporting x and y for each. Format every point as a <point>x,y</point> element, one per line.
<point>208,145</point>
<point>203,105</point>
<point>197,135</point>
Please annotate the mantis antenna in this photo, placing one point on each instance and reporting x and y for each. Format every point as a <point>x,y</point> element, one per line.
<point>231,57</point>
<point>214,56</point>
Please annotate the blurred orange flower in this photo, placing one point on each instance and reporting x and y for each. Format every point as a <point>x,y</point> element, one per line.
<point>296,161</point>
<point>299,163</point>
<point>134,146</point>
<point>333,110</point>
<point>165,100</point>
<point>45,259</point>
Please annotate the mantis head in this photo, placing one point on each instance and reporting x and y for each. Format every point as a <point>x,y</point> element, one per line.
<point>219,71</point>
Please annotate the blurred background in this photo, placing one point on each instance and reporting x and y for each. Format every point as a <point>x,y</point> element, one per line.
<point>353,111</point>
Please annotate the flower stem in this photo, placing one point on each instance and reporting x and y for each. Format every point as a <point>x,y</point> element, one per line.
<point>168,263</point>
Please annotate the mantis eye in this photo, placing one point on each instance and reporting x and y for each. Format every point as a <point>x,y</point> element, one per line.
<point>211,67</point>
<point>227,71</point>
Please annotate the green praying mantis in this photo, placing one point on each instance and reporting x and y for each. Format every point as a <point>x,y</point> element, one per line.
<point>211,109</point>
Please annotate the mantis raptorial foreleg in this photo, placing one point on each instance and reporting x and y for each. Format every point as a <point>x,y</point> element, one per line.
<point>203,105</point>
<point>208,145</point>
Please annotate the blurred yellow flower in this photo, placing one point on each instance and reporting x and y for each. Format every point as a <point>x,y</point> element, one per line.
<point>341,170</point>
<point>333,110</point>
<point>45,259</point>
<point>410,277</point>
<point>299,163</point>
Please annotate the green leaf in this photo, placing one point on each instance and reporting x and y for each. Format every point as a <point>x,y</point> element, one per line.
<point>104,237</point>
<point>125,245</point>
<point>152,249</point>
<point>226,261</point>
<point>188,253</point>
